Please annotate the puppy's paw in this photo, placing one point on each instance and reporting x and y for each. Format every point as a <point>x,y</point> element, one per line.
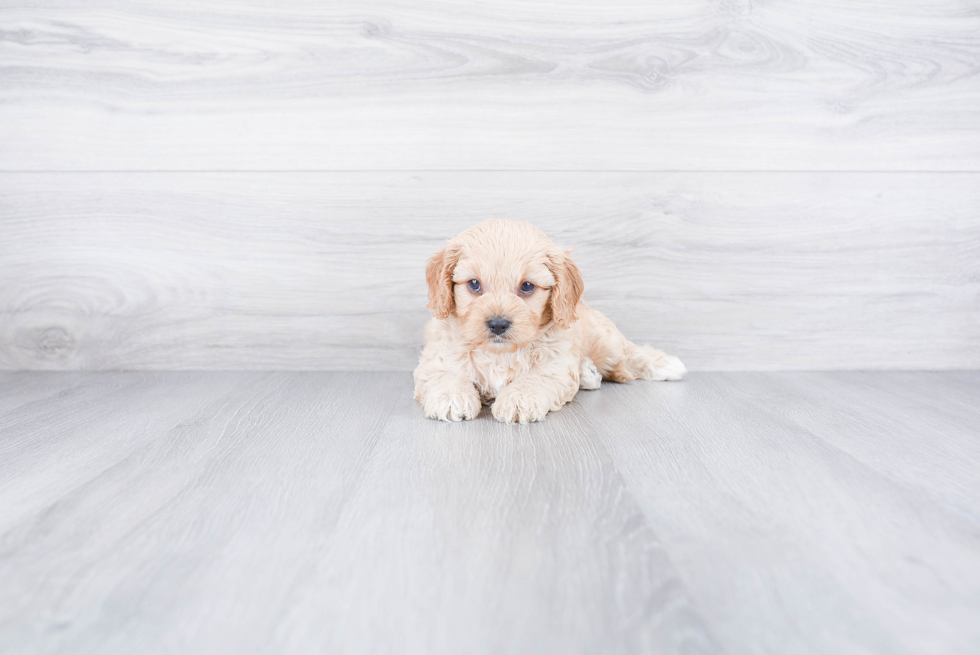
<point>649,364</point>
<point>515,405</point>
<point>452,405</point>
<point>589,376</point>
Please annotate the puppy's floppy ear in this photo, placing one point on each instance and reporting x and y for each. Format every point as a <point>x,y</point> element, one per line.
<point>439,275</point>
<point>567,290</point>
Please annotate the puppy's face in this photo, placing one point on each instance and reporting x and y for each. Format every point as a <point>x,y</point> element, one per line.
<point>505,281</point>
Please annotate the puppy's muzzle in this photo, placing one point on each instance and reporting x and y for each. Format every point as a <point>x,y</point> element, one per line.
<point>498,325</point>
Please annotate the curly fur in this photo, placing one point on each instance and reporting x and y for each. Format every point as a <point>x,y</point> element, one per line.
<point>555,345</point>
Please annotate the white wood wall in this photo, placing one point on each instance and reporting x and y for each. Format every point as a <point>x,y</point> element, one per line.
<point>750,185</point>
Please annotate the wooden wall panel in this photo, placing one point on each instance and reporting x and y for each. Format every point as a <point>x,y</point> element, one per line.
<point>509,85</point>
<point>325,270</point>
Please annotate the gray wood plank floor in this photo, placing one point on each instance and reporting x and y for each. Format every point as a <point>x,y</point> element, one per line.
<point>247,512</point>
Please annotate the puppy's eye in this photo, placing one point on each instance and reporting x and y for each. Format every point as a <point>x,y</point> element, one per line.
<point>474,286</point>
<point>527,288</point>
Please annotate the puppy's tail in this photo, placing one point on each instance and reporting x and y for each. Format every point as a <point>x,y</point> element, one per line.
<point>646,363</point>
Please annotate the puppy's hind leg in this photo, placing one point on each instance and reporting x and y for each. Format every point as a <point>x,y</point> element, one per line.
<point>620,360</point>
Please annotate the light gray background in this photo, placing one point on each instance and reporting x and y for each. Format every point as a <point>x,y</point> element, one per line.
<point>784,185</point>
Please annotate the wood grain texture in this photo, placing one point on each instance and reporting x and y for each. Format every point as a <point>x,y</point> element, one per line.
<point>319,512</point>
<point>281,513</point>
<point>582,85</point>
<point>325,270</point>
<point>823,499</point>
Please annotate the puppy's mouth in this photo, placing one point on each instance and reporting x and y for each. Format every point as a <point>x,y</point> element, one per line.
<point>499,343</point>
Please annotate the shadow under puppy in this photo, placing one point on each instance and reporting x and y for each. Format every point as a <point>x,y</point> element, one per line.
<point>510,330</point>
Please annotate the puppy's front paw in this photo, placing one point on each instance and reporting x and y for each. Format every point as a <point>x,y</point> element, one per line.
<point>455,405</point>
<point>515,405</point>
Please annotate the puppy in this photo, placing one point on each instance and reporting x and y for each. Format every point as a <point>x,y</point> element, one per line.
<point>510,330</point>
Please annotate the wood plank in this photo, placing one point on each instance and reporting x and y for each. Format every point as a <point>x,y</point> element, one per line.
<point>241,483</point>
<point>72,446</point>
<point>493,538</point>
<point>810,512</point>
<point>386,84</point>
<point>322,512</point>
<point>912,427</point>
<point>325,270</point>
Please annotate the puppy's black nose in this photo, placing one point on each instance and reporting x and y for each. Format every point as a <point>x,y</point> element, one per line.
<point>498,325</point>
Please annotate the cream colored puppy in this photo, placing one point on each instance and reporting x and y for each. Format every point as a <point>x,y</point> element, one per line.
<point>510,329</point>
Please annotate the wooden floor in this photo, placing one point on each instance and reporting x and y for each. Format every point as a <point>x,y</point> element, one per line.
<point>252,512</point>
